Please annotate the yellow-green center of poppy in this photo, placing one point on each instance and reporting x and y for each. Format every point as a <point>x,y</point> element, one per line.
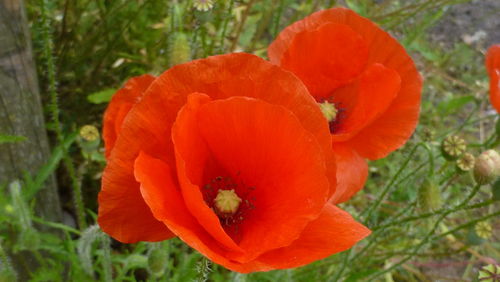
<point>328,110</point>
<point>227,201</point>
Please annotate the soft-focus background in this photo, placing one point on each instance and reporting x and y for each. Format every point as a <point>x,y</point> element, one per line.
<point>84,50</point>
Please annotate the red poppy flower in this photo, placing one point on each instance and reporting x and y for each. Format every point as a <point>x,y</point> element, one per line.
<point>493,67</point>
<point>231,154</point>
<point>366,83</point>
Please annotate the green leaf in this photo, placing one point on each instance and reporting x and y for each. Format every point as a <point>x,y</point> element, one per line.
<point>34,185</point>
<point>11,139</point>
<point>454,104</point>
<point>360,275</point>
<point>100,97</point>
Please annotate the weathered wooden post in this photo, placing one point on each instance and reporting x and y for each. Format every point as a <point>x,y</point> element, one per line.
<point>21,110</point>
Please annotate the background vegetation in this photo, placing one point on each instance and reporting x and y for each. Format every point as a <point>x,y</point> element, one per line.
<point>86,49</point>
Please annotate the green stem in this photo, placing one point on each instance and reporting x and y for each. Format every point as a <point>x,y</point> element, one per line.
<point>381,197</point>
<point>345,259</point>
<point>106,258</point>
<point>224,26</point>
<point>426,215</point>
<point>244,18</point>
<point>429,235</point>
<point>5,263</point>
<point>48,48</point>
<point>203,269</point>
<point>277,19</point>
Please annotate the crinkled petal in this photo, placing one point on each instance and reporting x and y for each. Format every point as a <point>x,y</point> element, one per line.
<point>352,172</point>
<point>326,57</point>
<point>280,172</point>
<point>120,105</point>
<point>167,205</point>
<point>192,156</point>
<point>373,94</point>
<point>332,232</point>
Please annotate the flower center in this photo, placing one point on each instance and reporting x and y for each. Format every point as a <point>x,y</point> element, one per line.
<point>227,201</point>
<point>329,111</point>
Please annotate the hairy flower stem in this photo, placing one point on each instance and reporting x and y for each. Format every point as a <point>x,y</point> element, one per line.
<point>203,269</point>
<point>224,26</point>
<point>392,182</point>
<point>430,234</point>
<point>425,215</point>
<point>241,25</point>
<point>381,197</point>
<point>5,264</point>
<point>48,48</point>
<point>106,258</point>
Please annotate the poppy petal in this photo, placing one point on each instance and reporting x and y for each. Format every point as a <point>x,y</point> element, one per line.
<point>192,155</point>
<point>493,67</point>
<point>326,57</point>
<point>394,127</point>
<point>373,94</point>
<point>247,75</point>
<point>332,232</point>
<point>280,164</point>
<point>168,206</point>
<point>123,214</point>
<point>119,106</point>
<point>352,172</point>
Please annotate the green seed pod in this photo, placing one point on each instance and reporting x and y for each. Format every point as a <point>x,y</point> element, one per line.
<point>453,147</point>
<point>180,51</point>
<point>88,139</point>
<point>428,134</point>
<point>487,167</point>
<point>203,5</point>
<point>157,261</point>
<point>483,229</point>
<point>429,196</point>
<point>466,162</point>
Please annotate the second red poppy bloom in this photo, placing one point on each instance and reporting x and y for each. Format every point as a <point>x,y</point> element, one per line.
<point>367,85</point>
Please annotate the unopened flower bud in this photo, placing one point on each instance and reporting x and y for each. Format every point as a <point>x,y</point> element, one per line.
<point>487,167</point>
<point>429,196</point>
<point>157,261</point>
<point>180,51</point>
<point>466,162</point>
<point>453,147</point>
